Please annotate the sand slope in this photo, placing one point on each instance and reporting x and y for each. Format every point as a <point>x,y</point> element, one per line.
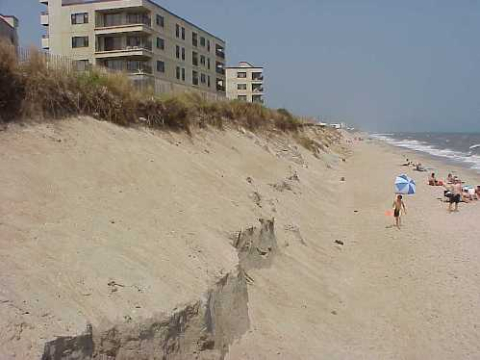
<point>103,225</point>
<point>148,237</point>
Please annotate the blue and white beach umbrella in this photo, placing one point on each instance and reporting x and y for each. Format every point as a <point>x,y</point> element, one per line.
<point>405,185</point>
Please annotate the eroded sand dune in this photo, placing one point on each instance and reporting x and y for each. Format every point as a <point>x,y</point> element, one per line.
<point>126,243</point>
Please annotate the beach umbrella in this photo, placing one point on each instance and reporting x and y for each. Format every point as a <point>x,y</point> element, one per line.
<point>405,185</point>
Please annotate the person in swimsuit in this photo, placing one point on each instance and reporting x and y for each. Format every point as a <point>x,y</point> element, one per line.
<point>456,190</point>
<point>398,205</point>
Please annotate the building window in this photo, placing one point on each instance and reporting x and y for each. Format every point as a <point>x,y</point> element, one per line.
<point>160,21</point>
<point>202,41</point>
<point>136,18</point>
<point>177,31</point>
<point>257,76</point>
<point>208,45</point>
<point>194,39</point>
<point>183,54</point>
<point>194,77</point>
<point>177,52</point>
<point>242,97</point>
<point>257,99</point>
<point>241,86</point>
<point>203,78</point>
<point>202,60</point>
<point>257,87</point>
<point>208,63</point>
<point>79,18</point>
<point>79,41</point>
<point>208,81</point>
<point>160,43</point>
<point>195,58</point>
<point>82,65</point>
<point>241,75</point>
<point>183,33</point>
<point>183,74</point>
<point>177,73</point>
<point>160,66</point>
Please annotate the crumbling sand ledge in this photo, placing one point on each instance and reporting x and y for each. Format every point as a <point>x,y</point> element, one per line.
<point>201,330</point>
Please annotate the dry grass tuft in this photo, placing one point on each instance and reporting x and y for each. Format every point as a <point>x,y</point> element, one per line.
<point>12,88</point>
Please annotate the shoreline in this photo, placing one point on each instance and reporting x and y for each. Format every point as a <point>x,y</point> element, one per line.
<point>432,163</point>
<point>437,158</point>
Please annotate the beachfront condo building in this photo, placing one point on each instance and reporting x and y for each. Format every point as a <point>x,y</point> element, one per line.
<point>8,28</point>
<point>245,83</point>
<point>139,37</point>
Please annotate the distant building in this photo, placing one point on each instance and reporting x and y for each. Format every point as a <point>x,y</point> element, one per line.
<point>8,28</point>
<point>245,83</point>
<point>140,37</point>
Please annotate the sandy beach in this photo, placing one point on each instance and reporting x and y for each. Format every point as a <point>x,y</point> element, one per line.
<point>386,294</point>
<point>121,229</point>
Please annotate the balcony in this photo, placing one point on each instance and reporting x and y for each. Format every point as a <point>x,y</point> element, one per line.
<point>111,47</point>
<point>220,51</point>
<point>131,67</point>
<point>257,99</point>
<point>257,76</point>
<point>114,23</point>
<point>44,2</point>
<point>257,90</point>
<point>45,42</point>
<point>44,18</point>
<point>220,85</point>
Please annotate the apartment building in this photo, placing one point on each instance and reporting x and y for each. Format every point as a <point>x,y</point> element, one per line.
<point>140,37</point>
<point>8,28</point>
<point>245,82</point>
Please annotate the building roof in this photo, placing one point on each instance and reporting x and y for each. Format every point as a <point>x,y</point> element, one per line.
<point>80,2</point>
<point>5,17</point>
<point>244,65</point>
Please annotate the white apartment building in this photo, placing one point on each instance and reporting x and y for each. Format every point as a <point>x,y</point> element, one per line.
<point>245,82</point>
<point>8,28</point>
<point>139,37</point>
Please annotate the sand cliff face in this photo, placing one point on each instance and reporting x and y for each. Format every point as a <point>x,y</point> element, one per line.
<point>132,244</point>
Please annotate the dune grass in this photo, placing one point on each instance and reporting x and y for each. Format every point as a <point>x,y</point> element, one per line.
<point>34,89</point>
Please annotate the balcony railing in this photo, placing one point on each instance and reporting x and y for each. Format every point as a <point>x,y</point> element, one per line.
<point>130,67</point>
<point>124,21</point>
<point>220,71</point>
<point>258,90</point>
<point>138,68</point>
<point>145,46</point>
<point>257,77</point>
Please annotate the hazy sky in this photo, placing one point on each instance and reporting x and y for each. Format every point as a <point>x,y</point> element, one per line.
<point>381,64</point>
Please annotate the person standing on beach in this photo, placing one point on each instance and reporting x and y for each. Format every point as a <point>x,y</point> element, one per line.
<point>398,205</point>
<point>457,190</point>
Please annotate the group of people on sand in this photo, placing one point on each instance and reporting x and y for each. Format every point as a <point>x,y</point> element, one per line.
<point>416,166</point>
<point>455,190</point>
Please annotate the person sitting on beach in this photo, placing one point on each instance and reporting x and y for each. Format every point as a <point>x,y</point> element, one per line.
<point>467,196</point>
<point>398,205</point>
<point>450,178</point>
<point>432,181</point>
<point>407,163</point>
<point>419,167</point>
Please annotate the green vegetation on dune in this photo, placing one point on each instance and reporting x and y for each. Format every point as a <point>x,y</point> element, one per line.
<point>34,89</point>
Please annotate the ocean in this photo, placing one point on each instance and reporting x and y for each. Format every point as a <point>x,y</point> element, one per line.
<point>460,148</point>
